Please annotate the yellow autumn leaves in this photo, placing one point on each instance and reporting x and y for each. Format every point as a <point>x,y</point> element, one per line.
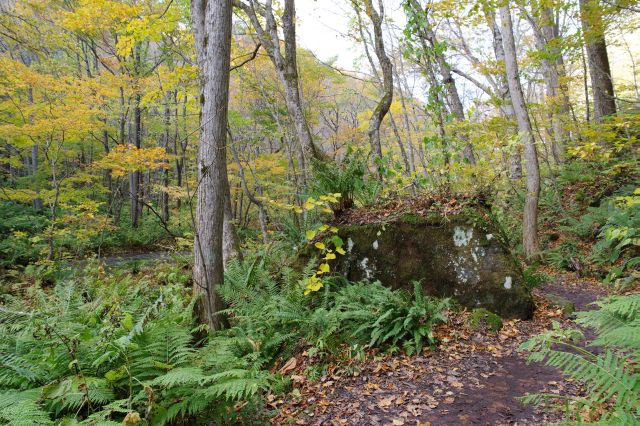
<point>329,247</point>
<point>127,158</point>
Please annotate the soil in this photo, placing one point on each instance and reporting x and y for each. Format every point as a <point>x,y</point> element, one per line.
<point>473,378</point>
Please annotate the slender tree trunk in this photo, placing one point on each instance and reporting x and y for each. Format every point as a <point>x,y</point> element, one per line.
<point>262,215</point>
<point>604,103</point>
<point>546,35</point>
<point>530,216</point>
<point>38,205</point>
<point>515,161</point>
<point>212,33</point>
<point>285,63</point>
<point>164,195</point>
<point>230,240</point>
<point>382,108</point>
<point>453,97</point>
<point>135,177</point>
<point>403,151</point>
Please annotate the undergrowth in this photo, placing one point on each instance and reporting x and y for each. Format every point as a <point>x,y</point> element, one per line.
<point>608,366</point>
<point>98,348</point>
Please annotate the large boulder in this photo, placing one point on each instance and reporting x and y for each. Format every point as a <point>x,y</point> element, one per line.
<point>452,257</point>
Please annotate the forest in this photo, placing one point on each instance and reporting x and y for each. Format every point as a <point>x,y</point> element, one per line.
<point>303,212</point>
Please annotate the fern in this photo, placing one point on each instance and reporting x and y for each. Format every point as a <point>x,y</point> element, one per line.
<point>617,323</point>
<point>23,408</point>
<point>611,379</point>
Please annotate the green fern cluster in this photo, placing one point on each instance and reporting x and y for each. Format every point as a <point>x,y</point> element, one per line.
<point>348,178</point>
<point>379,316</point>
<point>95,350</point>
<point>102,350</point>
<point>279,318</point>
<point>610,374</point>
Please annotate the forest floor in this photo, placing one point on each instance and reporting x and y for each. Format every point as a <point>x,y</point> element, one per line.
<point>472,378</point>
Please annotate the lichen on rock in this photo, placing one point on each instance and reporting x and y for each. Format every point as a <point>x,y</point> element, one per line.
<point>451,257</point>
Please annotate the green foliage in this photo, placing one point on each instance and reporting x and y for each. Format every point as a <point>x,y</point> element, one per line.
<point>617,322</point>
<point>610,374</point>
<point>566,255</point>
<point>97,348</point>
<point>278,317</point>
<point>348,178</point>
<point>18,225</point>
<point>483,319</point>
<point>619,243</point>
<point>533,278</point>
<point>382,317</point>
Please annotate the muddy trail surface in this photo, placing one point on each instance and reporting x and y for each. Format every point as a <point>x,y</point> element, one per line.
<point>473,378</point>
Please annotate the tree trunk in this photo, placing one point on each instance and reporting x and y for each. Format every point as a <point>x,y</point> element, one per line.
<point>601,83</point>
<point>38,205</point>
<point>515,161</point>
<point>230,241</point>
<point>530,215</point>
<point>384,103</point>
<point>212,33</point>
<point>135,177</point>
<point>453,98</point>
<point>546,34</point>
<point>285,64</point>
<point>164,195</point>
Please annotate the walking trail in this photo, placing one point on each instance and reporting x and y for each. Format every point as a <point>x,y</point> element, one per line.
<point>472,378</point>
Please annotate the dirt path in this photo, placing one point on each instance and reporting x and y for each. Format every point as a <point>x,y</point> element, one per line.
<point>473,379</point>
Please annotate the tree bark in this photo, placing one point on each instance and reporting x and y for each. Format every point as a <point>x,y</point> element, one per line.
<point>164,195</point>
<point>546,34</point>
<point>135,177</point>
<point>453,97</point>
<point>601,83</point>
<point>285,63</point>
<point>212,33</point>
<point>530,214</point>
<point>515,161</point>
<point>382,108</point>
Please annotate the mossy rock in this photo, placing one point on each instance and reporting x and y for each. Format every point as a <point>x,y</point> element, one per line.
<point>482,319</point>
<point>560,302</point>
<point>452,257</point>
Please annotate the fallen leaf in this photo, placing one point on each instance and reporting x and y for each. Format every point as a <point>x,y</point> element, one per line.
<point>289,366</point>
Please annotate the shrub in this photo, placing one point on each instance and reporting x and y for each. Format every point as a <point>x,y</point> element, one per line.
<point>381,317</point>
<point>18,224</point>
<point>348,178</point>
<point>96,348</point>
<point>278,316</point>
<point>619,243</point>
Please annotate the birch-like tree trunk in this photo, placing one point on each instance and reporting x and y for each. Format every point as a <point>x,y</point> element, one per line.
<point>212,33</point>
<point>530,214</point>
<point>453,97</point>
<point>382,108</point>
<point>502,87</point>
<point>546,34</point>
<point>285,63</point>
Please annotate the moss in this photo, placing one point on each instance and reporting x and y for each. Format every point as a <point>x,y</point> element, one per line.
<point>413,219</point>
<point>560,302</point>
<point>477,272</point>
<point>482,318</point>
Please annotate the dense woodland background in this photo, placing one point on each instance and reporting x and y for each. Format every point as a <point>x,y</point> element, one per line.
<point>115,138</point>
